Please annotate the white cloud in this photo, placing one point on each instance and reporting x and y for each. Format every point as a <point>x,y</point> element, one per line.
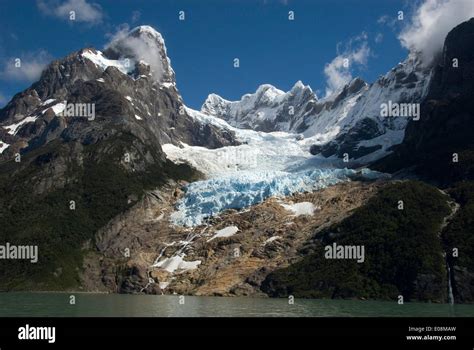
<point>141,47</point>
<point>30,68</point>
<point>431,22</point>
<point>90,13</point>
<point>338,71</point>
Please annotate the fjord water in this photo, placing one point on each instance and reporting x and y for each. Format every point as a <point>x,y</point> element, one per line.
<point>116,305</point>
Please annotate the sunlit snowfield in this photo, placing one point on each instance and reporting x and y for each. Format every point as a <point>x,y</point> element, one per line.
<point>115,305</point>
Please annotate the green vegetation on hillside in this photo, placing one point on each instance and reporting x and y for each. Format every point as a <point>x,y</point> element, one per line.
<point>459,235</point>
<point>403,252</point>
<point>460,232</point>
<point>101,189</point>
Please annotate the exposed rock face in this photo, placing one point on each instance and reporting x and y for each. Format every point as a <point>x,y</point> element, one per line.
<point>100,155</point>
<point>447,121</point>
<point>402,251</point>
<point>463,279</point>
<point>128,94</point>
<point>129,97</point>
<point>268,237</point>
<point>440,148</point>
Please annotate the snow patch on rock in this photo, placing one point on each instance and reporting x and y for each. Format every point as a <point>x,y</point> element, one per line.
<point>271,239</point>
<point>177,263</point>
<point>47,102</point>
<point>3,146</point>
<point>126,66</point>
<point>13,128</point>
<point>225,232</point>
<point>302,208</point>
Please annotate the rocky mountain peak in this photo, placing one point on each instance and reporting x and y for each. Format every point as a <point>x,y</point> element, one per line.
<point>131,87</point>
<point>446,121</point>
<point>143,45</point>
<point>356,85</point>
<point>300,87</point>
<point>268,109</point>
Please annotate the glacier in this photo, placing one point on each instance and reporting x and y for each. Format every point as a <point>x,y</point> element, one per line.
<point>275,164</point>
<point>207,198</point>
<point>274,158</point>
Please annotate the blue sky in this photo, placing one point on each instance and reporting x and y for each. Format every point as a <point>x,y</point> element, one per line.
<point>271,48</point>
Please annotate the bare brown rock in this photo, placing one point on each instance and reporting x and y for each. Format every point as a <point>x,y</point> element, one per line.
<point>269,237</point>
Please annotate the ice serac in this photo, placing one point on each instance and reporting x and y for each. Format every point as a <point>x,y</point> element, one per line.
<point>348,121</point>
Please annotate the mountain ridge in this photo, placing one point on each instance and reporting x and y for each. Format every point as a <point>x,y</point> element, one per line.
<point>336,123</point>
<point>126,187</point>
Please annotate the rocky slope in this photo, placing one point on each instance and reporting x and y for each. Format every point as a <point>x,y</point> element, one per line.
<point>121,234</point>
<point>127,92</point>
<point>439,148</point>
<point>82,166</point>
<point>403,252</point>
<point>447,122</point>
<point>275,248</point>
<point>230,255</point>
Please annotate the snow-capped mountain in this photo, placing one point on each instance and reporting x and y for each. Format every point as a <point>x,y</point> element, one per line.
<point>131,85</point>
<point>446,124</point>
<point>349,121</point>
<point>268,109</point>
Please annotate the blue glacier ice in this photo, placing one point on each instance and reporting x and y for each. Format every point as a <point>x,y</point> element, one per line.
<point>207,198</point>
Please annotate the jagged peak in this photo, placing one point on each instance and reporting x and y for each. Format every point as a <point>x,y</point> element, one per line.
<point>267,90</point>
<point>264,88</point>
<point>300,86</point>
<point>143,43</point>
<point>147,29</point>
<point>214,99</point>
<point>143,32</point>
<point>356,85</point>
